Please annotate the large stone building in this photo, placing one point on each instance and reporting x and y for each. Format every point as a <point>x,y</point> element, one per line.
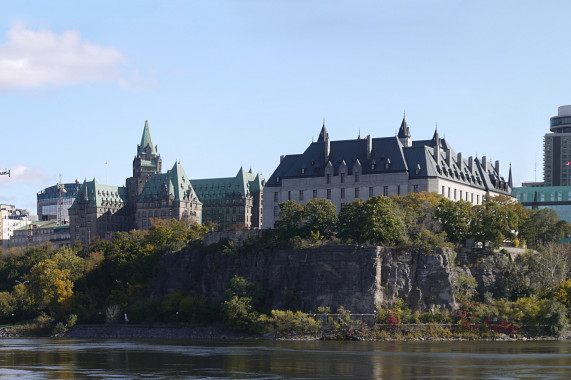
<point>101,210</point>
<point>233,201</point>
<point>40,232</point>
<point>343,171</point>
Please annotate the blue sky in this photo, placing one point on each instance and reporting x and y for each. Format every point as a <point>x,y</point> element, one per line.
<point>226,84</point>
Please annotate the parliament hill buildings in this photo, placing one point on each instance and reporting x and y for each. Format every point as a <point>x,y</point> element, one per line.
<point>341,171</point>
<point>101,210</point>
<point>347,170</point>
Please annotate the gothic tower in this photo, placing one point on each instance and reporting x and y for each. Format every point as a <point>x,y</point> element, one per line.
<point>146,163</point>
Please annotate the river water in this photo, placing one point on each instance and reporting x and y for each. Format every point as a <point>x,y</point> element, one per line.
<point>66,358</point>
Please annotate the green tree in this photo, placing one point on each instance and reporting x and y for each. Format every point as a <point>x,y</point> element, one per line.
<point>455,218</point>
<point>291,218</point>
<point>382,222</point>
<point>542,226</point>
<point>351,221</point>
<point>497,219</point>
<point>320,216</point>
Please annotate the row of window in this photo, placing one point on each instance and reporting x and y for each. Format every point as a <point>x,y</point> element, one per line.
<point>356,177</point>
<point>301,193</point>
<point>464,195</point>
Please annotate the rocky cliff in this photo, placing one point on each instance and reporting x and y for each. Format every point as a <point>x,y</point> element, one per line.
<point>355,277</point>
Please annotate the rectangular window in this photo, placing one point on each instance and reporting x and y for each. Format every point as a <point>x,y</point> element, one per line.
<point>371,191</point>
<point>342,176</point>
<point>328,193</point>
<point>415,188</point>
<point>477,199</point>
<point>357,175</point>
<point>454,194</point>
<point>443,193</point>
<point>276,197</point>
<point>276,210</point>
<point>301,195</point>
<point>342,193</point>
<point>460,194</point>
<point>314,194</point>
<point>398,189</point>
<point>356,193</point>
<point>328,179</point>
<point>289,195</point>
<point>448,193</point>
<point>386,191</point>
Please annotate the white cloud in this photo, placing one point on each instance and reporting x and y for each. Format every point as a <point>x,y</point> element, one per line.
<point>24,174</point>
<point>35,59</point>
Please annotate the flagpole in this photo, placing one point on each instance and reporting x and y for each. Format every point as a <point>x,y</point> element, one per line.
<point>106,176</point>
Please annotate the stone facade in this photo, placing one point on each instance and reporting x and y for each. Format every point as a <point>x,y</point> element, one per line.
<point>232,202</point>
<point>344,171</point>
<point>101,210</point>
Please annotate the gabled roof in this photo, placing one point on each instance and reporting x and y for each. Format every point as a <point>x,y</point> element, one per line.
<point>174,184</point>
<point>386,155</point>
<point>98,195</point>
<point>219,188</point>
<point>146,140</point>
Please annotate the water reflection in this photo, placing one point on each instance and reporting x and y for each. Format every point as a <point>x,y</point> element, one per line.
<point>96,359</point>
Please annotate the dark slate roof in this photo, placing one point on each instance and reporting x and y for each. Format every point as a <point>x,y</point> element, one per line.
<point>386,150</point>
<point>403,130</point>
<point>418,161</point>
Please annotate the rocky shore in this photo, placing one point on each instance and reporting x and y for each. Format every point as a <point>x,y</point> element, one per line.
<point>126,331</point>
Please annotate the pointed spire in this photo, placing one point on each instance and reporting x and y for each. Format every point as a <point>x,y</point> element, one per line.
<point>435,137</point>
<point>323,135</point>
<point>510,182</point>
<point>146,140</point>
<point>359,137</point>
<point>403,130</point>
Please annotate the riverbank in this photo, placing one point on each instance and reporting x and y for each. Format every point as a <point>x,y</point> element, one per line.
<point>218,333</point>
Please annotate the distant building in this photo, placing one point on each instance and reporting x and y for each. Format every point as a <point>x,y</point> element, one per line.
<point>12,218</point>
<point>557,198</point>
<point>101,210</point>
<point>346,170</point>
<point>557,149</point>
<point>40,232</point>
<point>555,190</point>
<point>48,201</point>
<point>232,201</point>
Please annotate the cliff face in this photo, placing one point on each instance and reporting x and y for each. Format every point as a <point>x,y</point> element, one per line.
<point>355,277</point>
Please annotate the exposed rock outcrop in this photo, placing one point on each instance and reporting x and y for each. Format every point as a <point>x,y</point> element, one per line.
<point>355,277</point>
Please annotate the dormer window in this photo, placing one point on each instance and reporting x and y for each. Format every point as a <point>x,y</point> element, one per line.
<point>302,170</point>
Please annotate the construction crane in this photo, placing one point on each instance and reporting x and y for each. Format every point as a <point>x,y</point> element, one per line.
<point>4,172</point>
<point>61,191</point>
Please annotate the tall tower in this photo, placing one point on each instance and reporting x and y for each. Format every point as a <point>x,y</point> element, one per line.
<point>557,149</point>
<point>146,163</point>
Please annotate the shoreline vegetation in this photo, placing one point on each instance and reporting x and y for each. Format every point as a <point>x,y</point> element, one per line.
<point>47,292</point>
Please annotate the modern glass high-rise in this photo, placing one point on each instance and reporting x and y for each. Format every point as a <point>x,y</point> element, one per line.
<point>557,149</point>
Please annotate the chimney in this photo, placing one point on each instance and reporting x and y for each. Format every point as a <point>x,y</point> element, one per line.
<point>282,158</point>
<point>369,147</point>
<point>498,167</point>
<point>437,154</point>
<point>471,164</point>
<point>484,163</point>
<point>449,158</point>
<point>459,161</point>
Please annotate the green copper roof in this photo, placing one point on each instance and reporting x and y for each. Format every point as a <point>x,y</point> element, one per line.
<point>146,139</point>
<point>98,195</point>
<point>174,182</point>
<point>219,188</point>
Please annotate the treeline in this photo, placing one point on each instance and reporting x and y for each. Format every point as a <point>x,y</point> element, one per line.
<point>100,283</point>
<point>421,220</point>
